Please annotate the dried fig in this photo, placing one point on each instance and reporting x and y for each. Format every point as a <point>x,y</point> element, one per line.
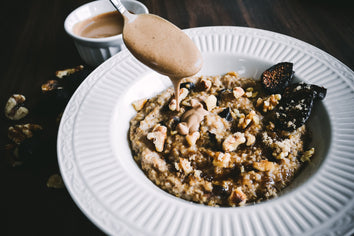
<point>276,78</point>
<point>295,106</point>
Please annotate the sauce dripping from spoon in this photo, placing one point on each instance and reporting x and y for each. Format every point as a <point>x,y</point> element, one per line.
<point>160,45</point>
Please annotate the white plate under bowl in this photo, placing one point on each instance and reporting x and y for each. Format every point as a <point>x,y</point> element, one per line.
<point>105,182</point>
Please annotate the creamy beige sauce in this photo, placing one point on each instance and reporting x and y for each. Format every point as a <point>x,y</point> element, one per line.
<point>191,119</point>
<point>163,47</point>
<point>104,25</point>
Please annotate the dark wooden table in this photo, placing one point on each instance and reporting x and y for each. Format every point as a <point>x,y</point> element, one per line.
<point>35,45</point>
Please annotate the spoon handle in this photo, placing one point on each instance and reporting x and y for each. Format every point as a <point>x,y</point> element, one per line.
<point>119,6</point>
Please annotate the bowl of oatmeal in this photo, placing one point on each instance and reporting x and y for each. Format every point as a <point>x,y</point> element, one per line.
<point>107,181</point>
<point>234,141</point>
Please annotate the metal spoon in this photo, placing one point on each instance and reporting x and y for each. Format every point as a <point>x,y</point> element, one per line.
<point>121,8</point>
<point>160,45</point>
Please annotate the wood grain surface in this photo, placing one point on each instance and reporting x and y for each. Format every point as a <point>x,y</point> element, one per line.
<point>35,45</point>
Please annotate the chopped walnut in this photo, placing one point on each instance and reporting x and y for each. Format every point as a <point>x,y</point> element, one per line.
<point>270,103</point>
<point>61,73</point>
<point>184,165</point>
<point>251,139</point>
<point>55,181</point>
<point>197,174</point>
<point>183,92</point>
<point>158,136</point>
<point>192,138</point>
<point>259,102</point>
<point>210,102</point>
<point>237,197</point>
<point>264,165</point>
<point>205,84</point>
<point>232,73</point>
<point>19,133</point>
<point>173,105</point>
<point>307,155</point>
<point>255,119</point>
<point>50,85</point>
<point>236,113</point>
<point>249,92</point>
<point>281,149</point>
<point>14,109</point>
<point>173,132</point>
<point>139,104</point>
<point>222,160</point>
<point>244,121</point>
<point>238,92</point>
<point>232,141</point>
<point>270,126</point>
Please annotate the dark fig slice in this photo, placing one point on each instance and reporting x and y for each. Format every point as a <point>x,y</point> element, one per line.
<point>320,92</point>
<point>174,122</point>
<point>224,94</point>
<point>220,190</point>
<point>295,106</point>
<point>277,78</point>
<point>188,85</point>
<point>226,114</point>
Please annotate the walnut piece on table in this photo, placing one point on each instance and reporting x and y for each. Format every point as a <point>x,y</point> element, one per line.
<point>14,109</point>
<point>55,181</point>
<point>62,73</point>
<point>19,133</point>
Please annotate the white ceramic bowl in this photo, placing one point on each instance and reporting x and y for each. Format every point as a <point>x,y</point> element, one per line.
<point>109,187</point>
<point>94,51</point>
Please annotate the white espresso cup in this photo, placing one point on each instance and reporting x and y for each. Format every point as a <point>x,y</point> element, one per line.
<point>94,51</point>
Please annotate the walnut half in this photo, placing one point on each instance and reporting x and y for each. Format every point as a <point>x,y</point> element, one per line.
<point>14,109</point>
<point>210,102</point>
<point>139,104</point>
<point>158,137</point>
<point>61,73</point>
<point>237,197</point>
<point>55,181</point>
<point>192,138</point>
<point>232,141</point>
<point>238,92</point>
<point>18,133</point>
<point>264,165</point>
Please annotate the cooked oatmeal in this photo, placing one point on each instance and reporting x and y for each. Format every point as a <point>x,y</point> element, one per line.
<point>223,147</point>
